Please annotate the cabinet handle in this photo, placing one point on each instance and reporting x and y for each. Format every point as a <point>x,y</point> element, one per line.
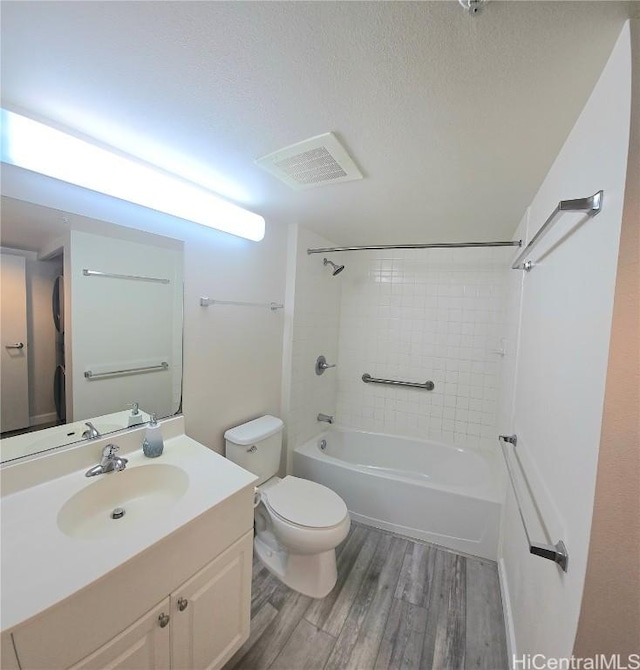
<point>182,604</point>
<point>163,620</point>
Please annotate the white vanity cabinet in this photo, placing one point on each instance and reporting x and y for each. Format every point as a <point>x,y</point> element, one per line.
<point>198,627</point>
<point>169,587</point>
<point>145,645</point>
<point>210,613</point>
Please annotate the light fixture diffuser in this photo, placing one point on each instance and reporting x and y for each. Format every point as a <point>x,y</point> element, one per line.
<point>34,146</point>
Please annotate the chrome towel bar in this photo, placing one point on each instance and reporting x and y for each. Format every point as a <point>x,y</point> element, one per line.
<point>273,306</point>
<point>591,205</point>
<point>553,552</point>
<point>368,379</point>
<point>147,368</point>
<point>112,275</point>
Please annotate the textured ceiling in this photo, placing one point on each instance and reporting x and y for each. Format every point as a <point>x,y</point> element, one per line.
<point>454,120</point>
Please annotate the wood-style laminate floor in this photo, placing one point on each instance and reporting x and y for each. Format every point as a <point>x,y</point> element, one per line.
<point>397,604</point>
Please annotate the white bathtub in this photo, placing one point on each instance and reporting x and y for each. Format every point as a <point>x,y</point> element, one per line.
<point>425,490</point>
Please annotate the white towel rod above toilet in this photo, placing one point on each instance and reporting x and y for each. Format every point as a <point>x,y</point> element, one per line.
<point>273,306</point>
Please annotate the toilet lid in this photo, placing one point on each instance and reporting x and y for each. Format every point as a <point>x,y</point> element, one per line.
<point>306,503</point>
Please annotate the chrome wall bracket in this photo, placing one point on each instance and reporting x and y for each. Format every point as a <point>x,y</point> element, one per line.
<point>554,552</point>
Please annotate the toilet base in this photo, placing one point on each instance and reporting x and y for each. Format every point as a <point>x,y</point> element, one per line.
<point>312,575</point>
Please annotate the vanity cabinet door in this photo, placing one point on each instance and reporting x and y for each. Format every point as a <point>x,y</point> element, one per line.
<point>145,645</point>
<point>210,613</point>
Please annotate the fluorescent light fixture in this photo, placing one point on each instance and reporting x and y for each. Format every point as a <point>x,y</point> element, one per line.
<point>34,146</point>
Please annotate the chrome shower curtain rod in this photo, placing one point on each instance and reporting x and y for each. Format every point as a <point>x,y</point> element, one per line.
<point>441,245</point>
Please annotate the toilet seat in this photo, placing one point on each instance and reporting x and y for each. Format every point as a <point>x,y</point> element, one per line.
<point>305,503</point>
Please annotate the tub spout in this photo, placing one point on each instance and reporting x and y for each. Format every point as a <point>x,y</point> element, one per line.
<point>325,417</point>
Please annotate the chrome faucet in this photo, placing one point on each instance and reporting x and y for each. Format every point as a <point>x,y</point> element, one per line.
<point>109,462</point>
<point>325,417</point>
<point>91,433</point>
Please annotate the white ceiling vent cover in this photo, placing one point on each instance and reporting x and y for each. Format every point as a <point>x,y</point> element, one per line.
<point>313,162</point>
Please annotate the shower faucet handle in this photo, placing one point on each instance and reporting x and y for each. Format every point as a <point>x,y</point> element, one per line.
<point>322,365</point>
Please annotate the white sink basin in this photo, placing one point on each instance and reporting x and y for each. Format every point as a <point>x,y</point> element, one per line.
<point>58,536</point>
<point>143,492</point>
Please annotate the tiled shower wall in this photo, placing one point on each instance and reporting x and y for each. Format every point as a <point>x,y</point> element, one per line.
<point>416,315</point>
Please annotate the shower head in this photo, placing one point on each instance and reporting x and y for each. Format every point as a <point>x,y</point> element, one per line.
<point>337,269</point>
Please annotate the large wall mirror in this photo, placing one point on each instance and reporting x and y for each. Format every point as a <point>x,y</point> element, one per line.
<point>91,327</point>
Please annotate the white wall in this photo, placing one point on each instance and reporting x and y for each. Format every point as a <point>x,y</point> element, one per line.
<point>41,334</point>
<point>314,306</point>
<point>565,322</point>
<point>419,315</point>
<point>232,355</point>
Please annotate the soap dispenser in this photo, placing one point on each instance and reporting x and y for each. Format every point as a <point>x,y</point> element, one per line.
<point>135,417</point>
<point>153,445</point>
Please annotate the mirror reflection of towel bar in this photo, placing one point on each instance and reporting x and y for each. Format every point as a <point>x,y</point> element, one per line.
<point>147,368</point>
<point>112,275</point>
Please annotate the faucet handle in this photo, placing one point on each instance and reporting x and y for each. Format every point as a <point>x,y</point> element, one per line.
<point>110,450</point>
<point>120,464</point>
<point>91,433</point>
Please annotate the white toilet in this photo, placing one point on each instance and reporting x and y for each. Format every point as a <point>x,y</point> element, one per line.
<point>298,523</point>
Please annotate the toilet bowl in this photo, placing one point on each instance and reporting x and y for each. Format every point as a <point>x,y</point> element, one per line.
<point>298,526</point>
<point>298,523</point>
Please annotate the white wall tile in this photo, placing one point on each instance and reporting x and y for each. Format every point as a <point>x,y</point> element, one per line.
<point>418,315</point>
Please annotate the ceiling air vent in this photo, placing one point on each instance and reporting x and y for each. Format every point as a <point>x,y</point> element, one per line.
<point>313,162</point>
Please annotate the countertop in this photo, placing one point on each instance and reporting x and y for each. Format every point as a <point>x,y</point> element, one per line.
<point>42,566</point>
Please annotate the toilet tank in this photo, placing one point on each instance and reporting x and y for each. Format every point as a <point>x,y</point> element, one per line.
<point>256,446</point>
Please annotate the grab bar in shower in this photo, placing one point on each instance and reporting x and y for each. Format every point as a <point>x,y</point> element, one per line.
<point>591,205</point>
<point>554,552</point>
<point>368,379</point>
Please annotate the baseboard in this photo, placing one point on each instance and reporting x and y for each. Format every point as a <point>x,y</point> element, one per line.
<point>43,418</point>
<point>506,612</point>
